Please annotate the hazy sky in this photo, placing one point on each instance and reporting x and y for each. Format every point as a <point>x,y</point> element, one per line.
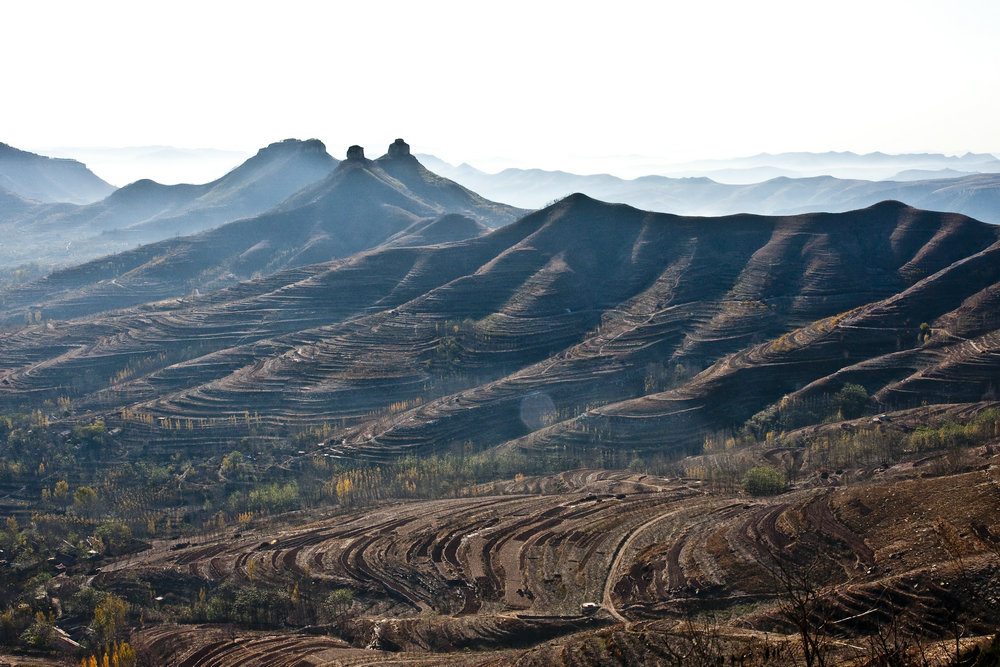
<point>537,83</point>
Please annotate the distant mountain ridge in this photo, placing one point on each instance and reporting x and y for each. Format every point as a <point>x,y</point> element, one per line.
<point>48,180</point>
<point>163,164</point>
<point>358,206</point>
<point>847,165</point>
<point>976,195</point>
<point>840,164</point>
<point>146,211</point>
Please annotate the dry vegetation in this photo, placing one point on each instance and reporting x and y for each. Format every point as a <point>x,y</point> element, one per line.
<point>675,573</point>
<point>781,442</point>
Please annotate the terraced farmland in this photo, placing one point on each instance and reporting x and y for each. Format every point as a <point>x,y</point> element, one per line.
<point>383,396</point>
<point>403,350</point>
<point>519,569</point>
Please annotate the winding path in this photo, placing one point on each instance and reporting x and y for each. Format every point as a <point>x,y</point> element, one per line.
<point>609,585</point>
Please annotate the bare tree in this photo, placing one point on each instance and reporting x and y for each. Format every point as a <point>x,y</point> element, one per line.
<point>802,606</point>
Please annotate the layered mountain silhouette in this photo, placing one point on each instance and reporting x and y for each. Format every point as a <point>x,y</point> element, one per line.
<point>44,179</point>
<point>14,206</point>
<point>582,325</point>
<point>841,164</point>
<point>976,195</point>
<point>163,164</point>
<point>348,377</point>
<point>361,204</point>
<point>145,211</point>
<point>756,168</point>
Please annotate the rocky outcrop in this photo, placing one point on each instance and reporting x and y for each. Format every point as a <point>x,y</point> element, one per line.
<point>399,148</point>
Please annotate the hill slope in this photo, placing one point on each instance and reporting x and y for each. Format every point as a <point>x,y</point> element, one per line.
<point>387,395</point>
<point>48,180</point>
<point>536,331</point>
<point>643,552</point>
<point>146,212</point>
<point>358,206</point>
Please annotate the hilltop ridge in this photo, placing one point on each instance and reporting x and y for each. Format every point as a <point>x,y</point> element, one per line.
<point>146,211</point>
<point>590,303</point>
<point>49,180</point>
<point>767,190</point>
<point>356,206</point>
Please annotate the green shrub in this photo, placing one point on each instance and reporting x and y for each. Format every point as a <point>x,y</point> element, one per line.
<point>851,401</point>
<point>763,481</point>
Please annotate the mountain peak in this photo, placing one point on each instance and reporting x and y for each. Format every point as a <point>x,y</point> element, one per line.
<point>890,205</point>
<point>287,145</point>
<point>577,199</point>
<point>399,148</point>
<point>355,152</point>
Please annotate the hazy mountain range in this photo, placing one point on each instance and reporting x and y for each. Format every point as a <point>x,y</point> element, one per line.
<point>163,164</point>
<point>355,206</point>
<point>761,167</point>
<point>353,414</point>
<point>977,195</point>
<point>847,165</point>
<point>58,234</point>
<point>45,179</point>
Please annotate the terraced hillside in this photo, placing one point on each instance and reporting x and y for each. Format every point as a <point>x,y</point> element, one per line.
<point>546,563</point>
<point>877,346</point>
<point>832,376</point>
<point>561,329</point>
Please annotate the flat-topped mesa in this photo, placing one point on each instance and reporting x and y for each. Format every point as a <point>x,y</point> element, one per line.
<point>294,143</point>
<point>287,147</point>
<point>355,153</point>
<point>399,148</point>
<point>314,146</point>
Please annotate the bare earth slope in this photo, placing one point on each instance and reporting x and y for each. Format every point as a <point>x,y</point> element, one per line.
<point>564,327</point>
<point>508,573</point>
<point>383,370</point>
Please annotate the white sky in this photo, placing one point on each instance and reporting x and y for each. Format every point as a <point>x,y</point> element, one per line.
<point>534,83</point>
